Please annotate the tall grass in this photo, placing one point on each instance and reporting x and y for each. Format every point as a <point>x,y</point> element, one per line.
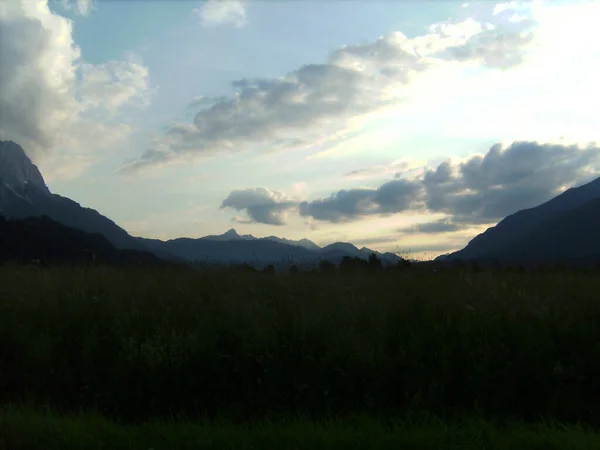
<point>25,429</point>
<point>135,344</point>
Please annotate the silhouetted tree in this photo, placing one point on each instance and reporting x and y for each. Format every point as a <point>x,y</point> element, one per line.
<point>352,264</point>
<point>326,266</point>
<point>375,263</point>
<point>403,264</point>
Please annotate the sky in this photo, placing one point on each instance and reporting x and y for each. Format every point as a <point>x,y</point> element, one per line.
<point>403,126</point>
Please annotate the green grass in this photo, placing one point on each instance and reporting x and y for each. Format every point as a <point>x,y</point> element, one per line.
<point>141,344</point>
<point>27,429</point>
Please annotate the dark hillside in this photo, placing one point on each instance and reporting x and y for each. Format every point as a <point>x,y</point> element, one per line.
<point>50,242</point>
<point>522,225</point>
<point>570,237</point>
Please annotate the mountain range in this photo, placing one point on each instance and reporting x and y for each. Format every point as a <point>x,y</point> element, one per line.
<point>23,193</point>
<point>563,229</point>
<point>230,247</point>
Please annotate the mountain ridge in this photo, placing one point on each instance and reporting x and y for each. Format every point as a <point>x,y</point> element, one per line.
<point>218,248</point>
<point>47,241</point>
<point>23,193</point>
<point>515,235</point>
<point>527,235</point>
<point>574,236</point>
<point>232,234</point>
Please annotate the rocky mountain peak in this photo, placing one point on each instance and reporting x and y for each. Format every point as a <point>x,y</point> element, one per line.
<point>16,169</point>
<point>231,233</point>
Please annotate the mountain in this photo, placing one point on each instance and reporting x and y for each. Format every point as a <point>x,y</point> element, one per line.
<point>51,242</point>
<point>17,170</point>
<point>562,229</point>
<point>571,236</point>
<point>343,247</point>
<point>232,235</point>
<point>305,243</point>
<point>230,251</point>
<point>233,248</point>
<point>23,193</point>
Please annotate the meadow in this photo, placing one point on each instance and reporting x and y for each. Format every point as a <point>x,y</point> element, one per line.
<point>233,347</point>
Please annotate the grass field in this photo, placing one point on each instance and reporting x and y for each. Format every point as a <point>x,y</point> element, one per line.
<point>23,429</point>
<point>141,344</point>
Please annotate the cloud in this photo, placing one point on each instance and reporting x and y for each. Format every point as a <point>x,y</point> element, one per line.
<point>500,7</point>
<point>203,100</point>
<point>435,227</point>
<point>260,204</point>
<point>478,190</point>
<point>375,240</point>
<point>114,84</point>
<point>347,205</point>
<point>82,7</point>
<point>484,189</point>
<point>57,107</point>
<point>495,48</point>
<point>376,171</point>
<point>37,76</point>
<point>318,100</point>
<point>222,12</point>
<point>82,147</point>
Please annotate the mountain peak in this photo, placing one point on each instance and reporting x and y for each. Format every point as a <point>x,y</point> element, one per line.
<point>16,169</point>
<point>231,233</point>
<point>342,246</point>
